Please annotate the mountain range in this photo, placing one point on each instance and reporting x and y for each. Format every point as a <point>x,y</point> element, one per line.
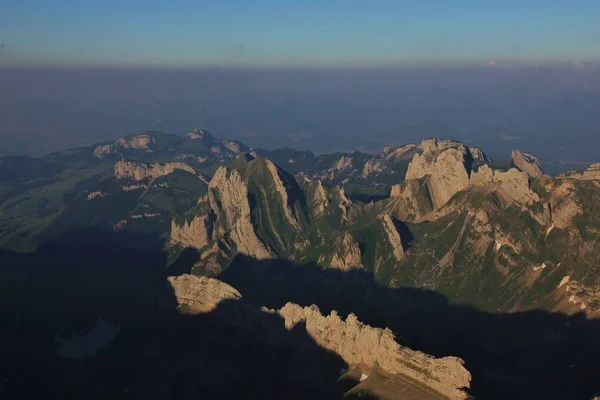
<point>492,268</point>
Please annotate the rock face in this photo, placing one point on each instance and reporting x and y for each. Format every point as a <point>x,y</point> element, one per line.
<point>200,294</point>
<point>360,344</point>
<point>355,342</point>
<point>138,142</point>
<point>228,197</point>
<point>591,173</point>
<point>281,190</point>
<point>513,184</point>
<point>527,163</point>
<point>479,155</point>
<point>139,171</point>
<point>197,233</point>
<point>383,160</point>
<point>446,163</point>
<point>346,255</point>
<point>393,236</point>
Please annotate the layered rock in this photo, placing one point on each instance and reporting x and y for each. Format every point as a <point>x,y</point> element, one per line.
<point>281,191</point>
<point>197,233</point>
<point>479,155</point>
<point>139,171</point>
<point>527,163</point>
<point>513,185</point>
<point>360,344</point>
<point>346,254</point>
<point>199,294</point>
<point>446,164</point>
<point>591,173</point>
<point>138,142</point>
<point>382,161</point>
<point>393,236</point>
<point>228,198</point>
<point>353,341</point>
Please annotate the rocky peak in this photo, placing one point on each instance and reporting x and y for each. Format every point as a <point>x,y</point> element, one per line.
<point>479,155</point>
<point>446,164</point>
<point>527,163</point>
<point>384,160</point>
<point>228,198</point>
<point>436,144</point>
<point>591,173</point>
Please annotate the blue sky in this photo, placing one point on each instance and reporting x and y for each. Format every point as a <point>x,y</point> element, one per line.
<point>296,33</point>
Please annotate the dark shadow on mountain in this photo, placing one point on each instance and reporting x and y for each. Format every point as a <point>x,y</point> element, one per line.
<point>63,288</point>
<point>184,263</point>
<point>406,235</point>
<point>524,355</point>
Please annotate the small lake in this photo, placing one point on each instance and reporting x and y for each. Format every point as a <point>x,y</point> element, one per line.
<point>88,345</point>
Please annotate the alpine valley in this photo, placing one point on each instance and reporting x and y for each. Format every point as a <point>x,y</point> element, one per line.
<point>426,271</point>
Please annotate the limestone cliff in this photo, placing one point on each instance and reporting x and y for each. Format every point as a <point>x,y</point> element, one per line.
<point>360,344</point>
<point>198,233</point>
<point>345,254</point>
<point>446,164</point>
<point>353,341</point>
<point>138,142</point>
<point>228,198</point>
<point>527,163</point>
<point>139,171</point>
<point>513,185</point>
<point>591,173</point>
<point>393,236</point>
<point>382,161</point>
<point>199,294</point>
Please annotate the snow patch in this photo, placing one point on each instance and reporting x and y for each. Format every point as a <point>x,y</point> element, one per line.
<point>363,377</point>
<point>498,245</point>
<point>550,229</point>
<point>564,281</point>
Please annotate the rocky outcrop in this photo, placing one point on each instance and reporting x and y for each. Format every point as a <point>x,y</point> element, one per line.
<point>446,164</point>
<point>228,197</point>
<point>346,254</point>
<point>281,191</point>
<point>527,163</point>
<point>355,342</point>
<point>409,199</point>
<point>382,161</point>
<point>343,164</point>
<point>360,344</point>
<point>199,294</point>
<point>139,171</point>
<point>591,173</point>
<point>393,236</point>
<point>197,233</point>
<point>138,142</point>
<point>479,155</point>
<point>513,185</point>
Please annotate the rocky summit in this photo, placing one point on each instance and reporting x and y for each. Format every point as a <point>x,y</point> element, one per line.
<point>427,270</point>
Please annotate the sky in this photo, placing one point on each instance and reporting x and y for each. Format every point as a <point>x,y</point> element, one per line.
<point>309,33</point>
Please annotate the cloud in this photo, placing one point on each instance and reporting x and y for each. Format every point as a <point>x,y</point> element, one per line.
<point>491,63</point>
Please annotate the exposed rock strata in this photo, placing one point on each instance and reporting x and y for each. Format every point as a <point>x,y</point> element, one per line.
<point>140,171</point>
<point>527,163</point>
<point>445,163</point>
<point>228,197</point>
<point>197,233</point>
<point>393,236</point>
<point>355,342</point>
<point>381,161</point>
